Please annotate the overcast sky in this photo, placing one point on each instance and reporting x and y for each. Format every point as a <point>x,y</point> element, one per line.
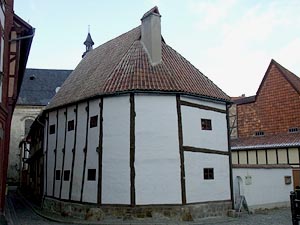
<point>230,41</point>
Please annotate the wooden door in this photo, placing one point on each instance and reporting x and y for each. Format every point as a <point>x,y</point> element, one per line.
<point>296,177</point>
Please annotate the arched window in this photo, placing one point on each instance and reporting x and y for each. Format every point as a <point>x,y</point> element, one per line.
<point>28,123</point>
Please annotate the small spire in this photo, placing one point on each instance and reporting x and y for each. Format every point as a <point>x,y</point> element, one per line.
<point>88,43</point>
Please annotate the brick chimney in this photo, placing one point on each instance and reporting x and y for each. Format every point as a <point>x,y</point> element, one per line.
<point>151,35</point>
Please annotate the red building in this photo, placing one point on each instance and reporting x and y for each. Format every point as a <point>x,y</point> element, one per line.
<point>16,36</point>
<point>267,125</point>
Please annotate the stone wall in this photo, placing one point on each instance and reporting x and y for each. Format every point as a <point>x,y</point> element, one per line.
<point>93,212</point>
<point>21,113</point>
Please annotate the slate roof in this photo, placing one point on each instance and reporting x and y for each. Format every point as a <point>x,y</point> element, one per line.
<point>282,140</point>
<point>121,65</point>
<point>39,85</point>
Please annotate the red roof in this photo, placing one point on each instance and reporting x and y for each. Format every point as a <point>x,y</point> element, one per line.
<point>282,140</point>
<point>122,65</point>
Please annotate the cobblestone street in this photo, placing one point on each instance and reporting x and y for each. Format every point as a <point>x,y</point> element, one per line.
<point>18,212</point>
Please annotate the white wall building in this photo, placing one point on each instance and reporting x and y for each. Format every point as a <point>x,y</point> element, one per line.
<point>137,125</point>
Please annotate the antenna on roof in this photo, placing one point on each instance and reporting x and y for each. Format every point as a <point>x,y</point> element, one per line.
<point>89,29</point>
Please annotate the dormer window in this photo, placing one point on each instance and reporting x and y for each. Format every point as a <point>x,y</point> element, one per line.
<point>259,133</point>
<point>294,130</point>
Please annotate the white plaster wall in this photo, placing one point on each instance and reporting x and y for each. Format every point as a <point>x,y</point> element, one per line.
<point>79,154</point>
<point>70,136</point>
<point>194,136</point>
<point>90,190</point>
<point>218,105</point>
<point>17,133</point>
<point>267,186</point>
<point>200,190</point>
<point>60,146</point>
<point>116,143</point>
<point>51,153</point>
<point>157,159</point>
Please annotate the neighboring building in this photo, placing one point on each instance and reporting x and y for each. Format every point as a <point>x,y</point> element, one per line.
<point>38,87</point>
<point>268,138</point>
<point>15,42</point>
<point>137,129</point>
<point>33,168</point>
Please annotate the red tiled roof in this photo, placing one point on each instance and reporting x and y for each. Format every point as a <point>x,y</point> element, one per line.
<point>122,65</point>
<point>261,166</point>
<point>263,142</point>
<point>291,77</point>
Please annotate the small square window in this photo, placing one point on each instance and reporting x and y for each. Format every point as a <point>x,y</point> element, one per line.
<point>70,125</point>
<point>293,130</point>
<point>206,124</point>
<point>91,174</point>
<point>52,129</point>
<point>208,173</point>
<point>259,133</point>
<point>57,175</point>
<point>93,121</point>
<point>66,175</point>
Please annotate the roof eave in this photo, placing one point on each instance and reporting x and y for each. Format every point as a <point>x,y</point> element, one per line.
<point>215,99</point>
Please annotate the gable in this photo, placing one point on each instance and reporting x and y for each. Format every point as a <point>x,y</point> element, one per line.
<point>276,76</point>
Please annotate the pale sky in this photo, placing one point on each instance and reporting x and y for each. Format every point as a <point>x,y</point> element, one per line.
<point>231,41</point>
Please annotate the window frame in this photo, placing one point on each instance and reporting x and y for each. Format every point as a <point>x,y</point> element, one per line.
<point>93,121</point>
<point>57,174</point>
<point>71,125</point>
<point>208,173</point>
<point>52,129</point>
<point>206,124</point>
<point>67,174</point>
<point>91,174</point>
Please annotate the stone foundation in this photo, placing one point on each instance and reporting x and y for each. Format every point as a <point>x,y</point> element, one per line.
<point>94,212</point>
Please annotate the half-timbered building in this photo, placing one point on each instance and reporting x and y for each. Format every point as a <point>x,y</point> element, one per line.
<point>15,42</point>
<point>136,127</point>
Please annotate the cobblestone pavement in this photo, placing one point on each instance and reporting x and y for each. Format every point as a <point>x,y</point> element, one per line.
<point>18,212</point>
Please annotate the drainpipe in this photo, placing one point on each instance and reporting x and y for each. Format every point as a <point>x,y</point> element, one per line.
<point>24,37</point>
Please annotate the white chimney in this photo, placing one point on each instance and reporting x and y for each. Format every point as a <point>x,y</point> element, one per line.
<point>151,35</point>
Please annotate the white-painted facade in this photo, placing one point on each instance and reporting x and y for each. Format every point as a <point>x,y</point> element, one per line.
<point>157,160</point>
<point>200,190</point>
<point>214,139</point>
<point>116,147</point>
<point>263,188</point>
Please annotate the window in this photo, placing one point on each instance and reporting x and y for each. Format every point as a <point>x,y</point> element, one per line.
<point>91,174</point>
<point>206,124</point>
<point>259,133</point>
<point>70,125</point>
<point>93,121</point>
<point>293,130</point>
<point>208,173</point>
<point>52,129</point>
<point>66,175</point>
<point>28,123</point>
<point>57,175</point>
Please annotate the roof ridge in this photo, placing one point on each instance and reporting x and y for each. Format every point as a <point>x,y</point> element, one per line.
<point>116,37</point>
